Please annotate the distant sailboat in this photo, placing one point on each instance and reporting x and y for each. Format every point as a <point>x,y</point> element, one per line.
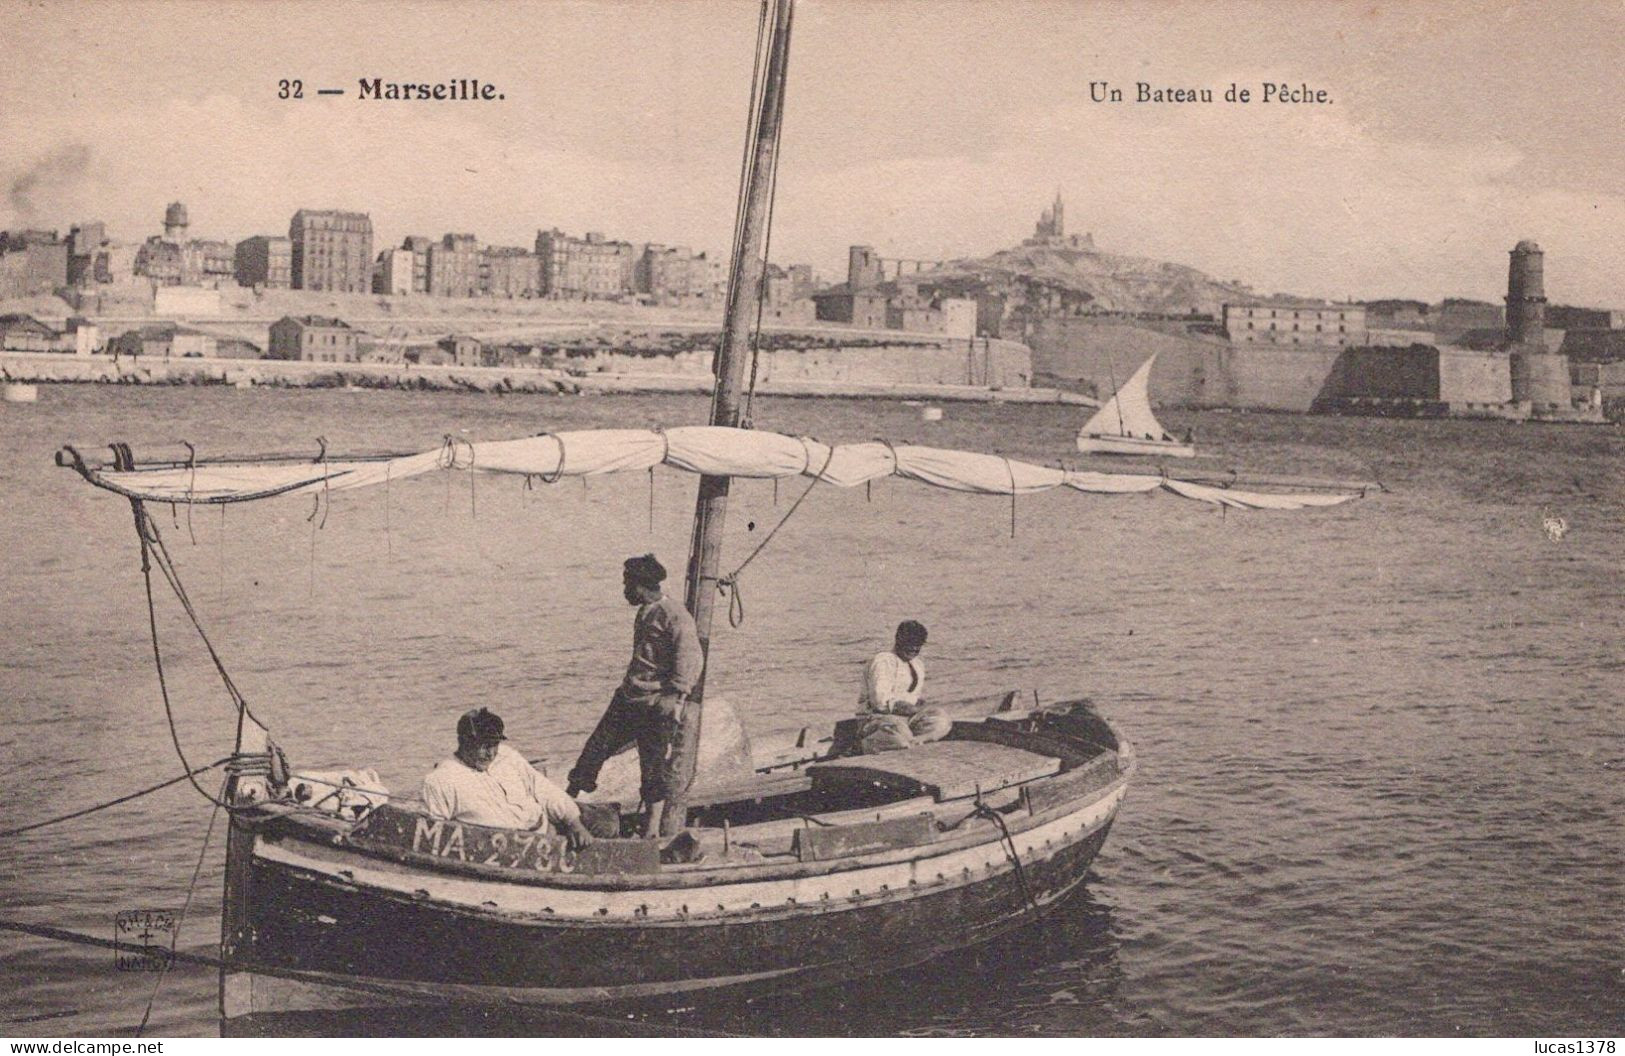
<point>1124,425</point>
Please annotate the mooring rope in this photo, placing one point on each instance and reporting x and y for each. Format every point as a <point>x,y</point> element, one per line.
<point>984,811</point>
<point>46,931</point>
<point>113,802</point>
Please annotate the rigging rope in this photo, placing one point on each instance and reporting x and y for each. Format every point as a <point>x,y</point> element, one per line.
<point>729,585</point>
<point>767,230</point>
<point>221,582</point>
<point>1111,375</point>
<point>166,565</point>
<point>158,660</point>
<point>153,553</point>
<point>180,919</point>
<point>747,164</point>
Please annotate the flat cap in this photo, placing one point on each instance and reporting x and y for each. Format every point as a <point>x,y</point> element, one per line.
<point>480,726</point>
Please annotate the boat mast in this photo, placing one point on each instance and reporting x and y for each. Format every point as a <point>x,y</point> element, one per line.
<point>748,268</point>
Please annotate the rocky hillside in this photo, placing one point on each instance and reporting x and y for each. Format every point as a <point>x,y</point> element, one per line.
<point>1045,279</point>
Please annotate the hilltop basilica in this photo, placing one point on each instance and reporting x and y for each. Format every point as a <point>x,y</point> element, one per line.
<point>1051,229</point>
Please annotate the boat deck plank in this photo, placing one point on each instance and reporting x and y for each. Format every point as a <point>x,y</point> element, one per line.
<point>760,787</point>
<point>942,769</point>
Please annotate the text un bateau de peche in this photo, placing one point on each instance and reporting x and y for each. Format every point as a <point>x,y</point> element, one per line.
<point>1267,92</point>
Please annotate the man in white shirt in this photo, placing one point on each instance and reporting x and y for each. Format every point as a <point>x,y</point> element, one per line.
<point>488,783</point>
<point>892,699</point>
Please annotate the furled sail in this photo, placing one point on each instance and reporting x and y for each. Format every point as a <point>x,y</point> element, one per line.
<point>1128,412</point>
<point>714,450</point>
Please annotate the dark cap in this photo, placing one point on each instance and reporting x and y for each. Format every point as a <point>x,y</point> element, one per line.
<point>910,634</point>
<point>646,570</point>
<point>480,726</point>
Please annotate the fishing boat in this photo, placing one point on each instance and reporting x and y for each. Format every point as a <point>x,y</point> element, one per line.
<point>812,865</point>
<point>1124,424</point>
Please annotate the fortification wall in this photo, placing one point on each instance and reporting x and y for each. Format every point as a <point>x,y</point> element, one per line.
<point>1260,378</point>
<point>1477,378</point>
<point>986,363</point>
<point>905,368</point>
<point>1095,356</point>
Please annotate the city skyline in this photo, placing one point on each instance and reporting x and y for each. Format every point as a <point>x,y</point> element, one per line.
<point>929,130</point>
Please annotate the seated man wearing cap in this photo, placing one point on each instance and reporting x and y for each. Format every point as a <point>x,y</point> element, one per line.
<point>894,714</point>
<point>488,783</point>
<point>647,709</point>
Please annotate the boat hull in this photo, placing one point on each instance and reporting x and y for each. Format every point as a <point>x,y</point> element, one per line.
<point>328,928</point>
<point>1130,445</point>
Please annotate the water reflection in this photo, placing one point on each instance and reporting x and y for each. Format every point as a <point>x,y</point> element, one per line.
<point>1059,975</point>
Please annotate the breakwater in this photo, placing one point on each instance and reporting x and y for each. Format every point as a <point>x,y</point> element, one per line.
<point>56,368</point>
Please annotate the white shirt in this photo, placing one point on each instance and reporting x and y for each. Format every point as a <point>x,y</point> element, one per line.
<point>510,794</point>
<point>889,680</point>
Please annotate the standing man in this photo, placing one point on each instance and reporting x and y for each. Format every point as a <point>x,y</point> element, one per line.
<point>647,709</point>
<point>892,705</point>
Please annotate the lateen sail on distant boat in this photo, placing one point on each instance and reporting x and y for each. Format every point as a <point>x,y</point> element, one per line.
<point>1124,425</point>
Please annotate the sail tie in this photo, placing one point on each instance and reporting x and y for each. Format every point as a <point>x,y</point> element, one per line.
<point>557,474</point>
<point>191,488</point>
<point>389,541</point>
<point>896,463</point>
<point>728,585</point>
<point>1011,469</point>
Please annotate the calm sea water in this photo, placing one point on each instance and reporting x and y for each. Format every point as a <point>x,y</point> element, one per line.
<point>1381,744</point>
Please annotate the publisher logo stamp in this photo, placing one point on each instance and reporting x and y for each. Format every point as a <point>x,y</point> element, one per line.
<point>142,939</point>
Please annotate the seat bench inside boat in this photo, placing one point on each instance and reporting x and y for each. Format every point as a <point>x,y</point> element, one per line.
<point>936,772</point>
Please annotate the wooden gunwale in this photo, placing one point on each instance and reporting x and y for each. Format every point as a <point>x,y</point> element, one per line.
<point>756,913</point>
<point>976,833</point>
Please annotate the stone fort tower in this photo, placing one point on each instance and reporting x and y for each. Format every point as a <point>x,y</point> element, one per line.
<point>864,268</point>
<point>1539,377</point>
<point>1526,296</point>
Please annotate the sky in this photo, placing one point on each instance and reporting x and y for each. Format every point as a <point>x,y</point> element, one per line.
<point>925,128</point>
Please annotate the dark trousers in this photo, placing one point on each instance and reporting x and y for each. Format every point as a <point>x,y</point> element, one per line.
<point>649,720</point>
